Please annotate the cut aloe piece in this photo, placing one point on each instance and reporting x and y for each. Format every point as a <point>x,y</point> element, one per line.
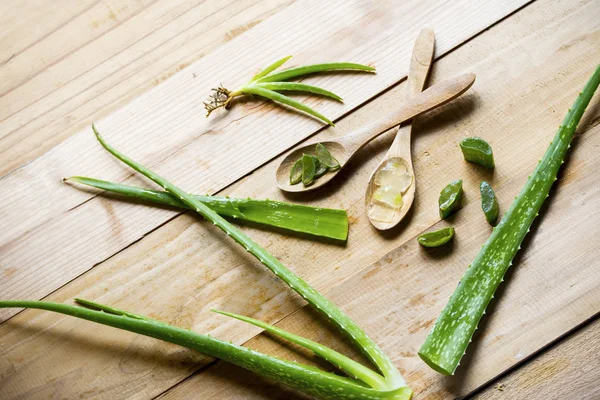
<point>325,157</point>
<point>296,173</point>
<point>478,151</point>
<point>489,202</point>
<point>436,238</point>
<point>316,221</point>
<point>309,168</point>
<point>321,169</point>
<point>450,197</point>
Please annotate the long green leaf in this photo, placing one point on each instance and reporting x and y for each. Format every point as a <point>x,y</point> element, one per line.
<point>270,68</point>
<point>313,69</point>
<point>346,364</point>
<point>314,298</point>
<point>308,379</point>
<point>316,221</point>
<point>298,87</point>
<point>449,338</point>
<point>278,97</point>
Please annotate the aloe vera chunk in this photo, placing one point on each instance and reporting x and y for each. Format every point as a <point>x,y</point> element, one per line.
<point>450,196</point>
<point>436,238</point>
<point>478,151</point>
<point>451,334</point>
<point>309,168</point>
<point>296,173</point>
<point>325,157</point>
<point>489,202</point>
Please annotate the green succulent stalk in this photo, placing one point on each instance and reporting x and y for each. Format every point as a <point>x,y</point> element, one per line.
<point>362,383</point>
<point>269,83</point>
<point>315,221</point>
<point>447,342</point>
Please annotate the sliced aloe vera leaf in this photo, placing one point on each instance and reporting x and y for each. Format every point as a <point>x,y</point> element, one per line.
<point>325,157</point>
<point>309,167</point>
<point>321,169</point>
<point>489,202</point>
<point>296,172</point>
<point>436,238</point>
<point>478,151</point>
<point>450,197</point>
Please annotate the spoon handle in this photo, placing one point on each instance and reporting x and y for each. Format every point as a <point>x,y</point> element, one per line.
<point>433,97</point>
<point>420,63</point>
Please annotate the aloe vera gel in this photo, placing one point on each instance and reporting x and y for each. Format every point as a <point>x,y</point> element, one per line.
<point>391,181</point>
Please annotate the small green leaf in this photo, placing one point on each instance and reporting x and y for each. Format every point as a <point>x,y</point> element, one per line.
<point>450,197</point>
<point>313,69</point>
<point>270,68</point>
<point>298,87</point>
<point>436,238</point>
<point>278,97</point>
<point>325,157</point>
<point>309,167</point>
<point>478,151</point>
<point>296,172</point>
<point>489,202</point>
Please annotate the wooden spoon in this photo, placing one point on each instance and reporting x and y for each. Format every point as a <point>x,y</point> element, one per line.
<point>381,215</point>
<point>344,148</point>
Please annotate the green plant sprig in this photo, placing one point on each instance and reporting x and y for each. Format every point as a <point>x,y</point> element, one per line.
<point>316,221</point>
<point>447,342</point>
<point>269,83</point>
<point>387,383</point>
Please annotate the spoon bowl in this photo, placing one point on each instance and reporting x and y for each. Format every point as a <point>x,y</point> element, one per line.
<point>344,148</point>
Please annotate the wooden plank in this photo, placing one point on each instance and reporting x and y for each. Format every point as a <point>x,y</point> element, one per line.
<point>41,214</point>
<point>182,270</point>
<point>568,370</point>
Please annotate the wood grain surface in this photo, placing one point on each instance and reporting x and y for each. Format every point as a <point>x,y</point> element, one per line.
<point>175,267</point>
<point>166,129</point>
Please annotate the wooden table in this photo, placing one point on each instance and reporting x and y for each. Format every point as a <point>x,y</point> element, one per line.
<point>141,68</point>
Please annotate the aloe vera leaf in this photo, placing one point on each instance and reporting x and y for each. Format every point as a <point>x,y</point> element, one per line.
<point>447,342</point>
<point>313,69</point>
<point>298,87</point>
<point>308,379</point>
<point>270,68</point>
<point>314,298</point>
<point>317,221</point>
<point>344,363</point>
<point>489,202</point>
<point>280,98</point>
